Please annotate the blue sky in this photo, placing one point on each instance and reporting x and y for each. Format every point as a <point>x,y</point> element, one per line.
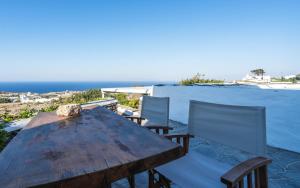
<point>157,40</point>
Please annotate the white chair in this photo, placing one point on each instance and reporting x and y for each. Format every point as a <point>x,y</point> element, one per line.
<point>240,127</point>
<point>154,114</point>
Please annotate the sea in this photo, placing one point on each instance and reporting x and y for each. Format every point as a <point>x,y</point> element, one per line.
<point>46,87</point>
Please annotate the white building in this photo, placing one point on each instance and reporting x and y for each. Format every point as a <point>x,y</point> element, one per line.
<point>289,76</point>
<point>255,78</point>
<point>30,98</point>
<point>25,99</point>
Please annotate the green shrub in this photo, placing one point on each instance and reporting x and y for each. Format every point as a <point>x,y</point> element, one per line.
<point>5,100</point>
<point>199,79</point>
<point>51,108</point>
<point>4,136</point>
<point>26,113</point>
<point>134,103</point>
<point>84,97</point>
<point>123,100</point>
<point>7,117</point>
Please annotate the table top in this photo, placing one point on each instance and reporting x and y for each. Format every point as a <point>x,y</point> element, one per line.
<point>95,148</point>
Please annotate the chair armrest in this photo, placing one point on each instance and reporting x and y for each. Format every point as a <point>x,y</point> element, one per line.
<point>157,128</point>
<point>183,139</point>
<point>236,175</point>
<point>133,117</point>
<point>137,118</point>
<point>179,136</point>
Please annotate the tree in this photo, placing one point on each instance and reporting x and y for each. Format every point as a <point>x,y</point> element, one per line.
<point>259,72</point>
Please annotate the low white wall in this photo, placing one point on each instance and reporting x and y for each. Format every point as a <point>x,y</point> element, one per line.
<point>282,106</point>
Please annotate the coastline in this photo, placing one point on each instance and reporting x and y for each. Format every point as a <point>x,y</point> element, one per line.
<point>47,87</point>
<point>57,87</point>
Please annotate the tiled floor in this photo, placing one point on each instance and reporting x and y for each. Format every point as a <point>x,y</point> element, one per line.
<point>284,172</point>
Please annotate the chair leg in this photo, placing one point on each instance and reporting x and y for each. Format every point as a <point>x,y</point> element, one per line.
<point>161,182</point>
<point>164,181</point>
<point>150,179</point>
<point>105,184</point>
<point>139,121</point>
<point>131,181</point>
<point>263,172</point>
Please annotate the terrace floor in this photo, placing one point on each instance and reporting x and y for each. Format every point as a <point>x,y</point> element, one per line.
<point>284,172</point>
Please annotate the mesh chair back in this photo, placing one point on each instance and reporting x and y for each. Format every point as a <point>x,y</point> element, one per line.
<point>155,110</point>
<point>242,127</point>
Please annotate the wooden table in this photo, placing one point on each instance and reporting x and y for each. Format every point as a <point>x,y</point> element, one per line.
<point>91,150</point>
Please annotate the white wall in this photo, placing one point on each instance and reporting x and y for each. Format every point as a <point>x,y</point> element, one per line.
<point>282,106</point>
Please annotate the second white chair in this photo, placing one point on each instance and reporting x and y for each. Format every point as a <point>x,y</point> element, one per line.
<point>154,114</point>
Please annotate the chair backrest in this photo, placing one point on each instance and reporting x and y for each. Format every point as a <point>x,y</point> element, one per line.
<point>242,127</point>
<point>156,110</point>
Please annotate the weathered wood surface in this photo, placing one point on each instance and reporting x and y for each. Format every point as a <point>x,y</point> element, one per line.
<point>91,150</point>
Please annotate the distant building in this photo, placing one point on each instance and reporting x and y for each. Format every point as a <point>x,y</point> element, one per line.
<point>255,78</point>
<point>290,77</point>
<point>24,99</point>
<point>35,98</point>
